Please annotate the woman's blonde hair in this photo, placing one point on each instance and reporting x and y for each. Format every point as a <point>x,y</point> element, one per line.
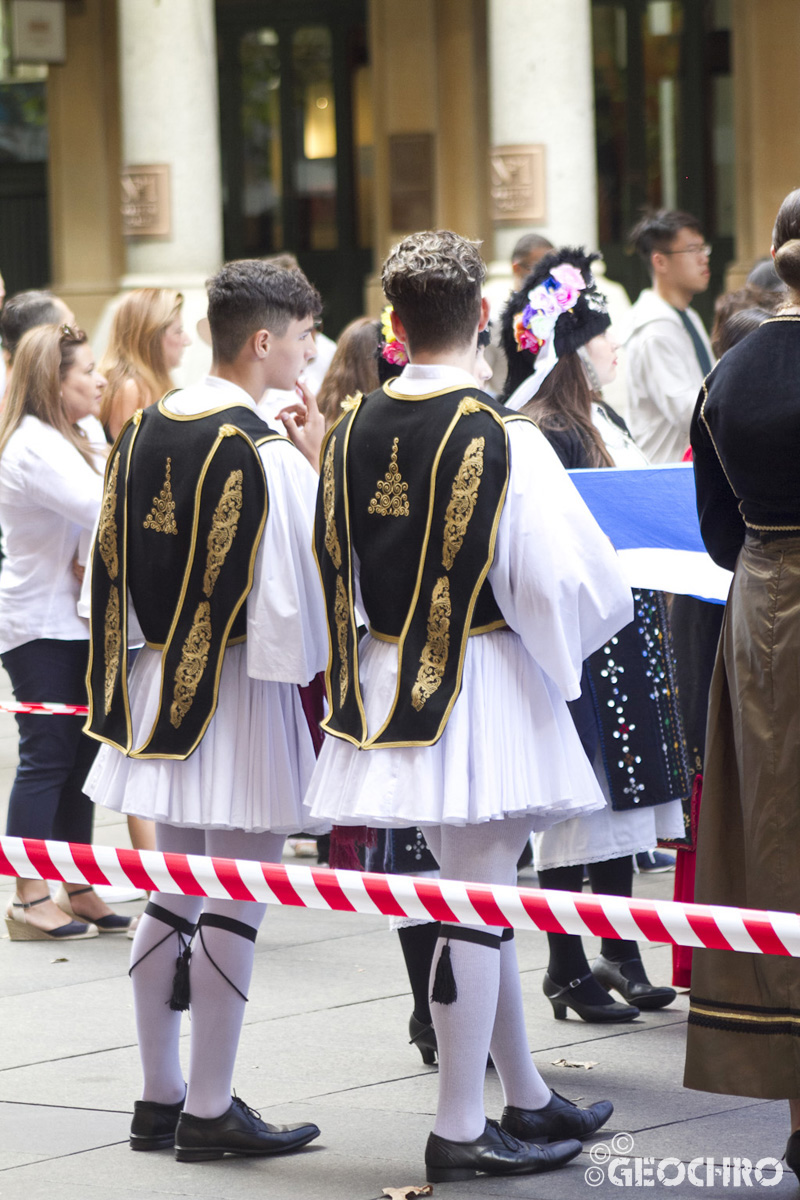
<point>43,358</point>
<point>136,346</point>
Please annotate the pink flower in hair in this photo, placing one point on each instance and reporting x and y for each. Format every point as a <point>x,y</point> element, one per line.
<point>572,284</point>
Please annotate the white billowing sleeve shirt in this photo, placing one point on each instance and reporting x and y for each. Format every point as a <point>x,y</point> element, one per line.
<point>49,497</point>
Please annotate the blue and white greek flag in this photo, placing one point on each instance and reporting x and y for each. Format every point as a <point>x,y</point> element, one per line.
<point>650,516</point>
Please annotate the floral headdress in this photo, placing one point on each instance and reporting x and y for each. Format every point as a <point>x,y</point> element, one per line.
<point>562,311</point>
<point>392,349</point>
<point>535,326</point>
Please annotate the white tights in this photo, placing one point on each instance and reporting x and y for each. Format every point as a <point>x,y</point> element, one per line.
<point>488,1011</point>
<point>217,1010</point>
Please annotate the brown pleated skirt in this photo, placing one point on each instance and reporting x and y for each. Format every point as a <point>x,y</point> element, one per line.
<point>744,1022</point>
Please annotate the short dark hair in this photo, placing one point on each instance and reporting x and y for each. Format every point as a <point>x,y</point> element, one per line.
<point>25,311</point>
<point>529,242</point>
<point>657,230</point>
<point>434,279</point>
<point>248,295</point>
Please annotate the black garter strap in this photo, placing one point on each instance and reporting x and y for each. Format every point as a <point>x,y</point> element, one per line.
<point>184,929</point>
<point>183,926</point>
<point>507,935</point>
<point>462,933</point>
<point>217,921</point>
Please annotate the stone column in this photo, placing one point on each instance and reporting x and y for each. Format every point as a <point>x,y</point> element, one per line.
<point>541,91</point>
<point>170,114</point>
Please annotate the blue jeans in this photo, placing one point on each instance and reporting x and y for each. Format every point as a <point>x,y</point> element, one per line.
<point>54,755</point>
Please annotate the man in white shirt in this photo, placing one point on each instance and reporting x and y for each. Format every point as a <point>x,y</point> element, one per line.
<point>669,353</point>
<point>204,544</point>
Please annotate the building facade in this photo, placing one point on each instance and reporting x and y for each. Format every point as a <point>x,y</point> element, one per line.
<point>332,127</point>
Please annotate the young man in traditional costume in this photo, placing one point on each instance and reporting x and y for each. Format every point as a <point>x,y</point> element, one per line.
<point>485,581</point>
<point>204,545</point>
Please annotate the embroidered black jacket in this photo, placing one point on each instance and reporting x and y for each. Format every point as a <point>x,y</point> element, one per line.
<point>184,509</point>
<point>414,488</point>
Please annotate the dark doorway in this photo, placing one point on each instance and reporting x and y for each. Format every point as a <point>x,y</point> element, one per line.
<point>24,217</point>
<point>664,119</point>
<point>296,139</point>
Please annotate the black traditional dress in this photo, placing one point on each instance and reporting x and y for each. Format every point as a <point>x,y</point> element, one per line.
<point>744,1017</point>
<point>627,714</point>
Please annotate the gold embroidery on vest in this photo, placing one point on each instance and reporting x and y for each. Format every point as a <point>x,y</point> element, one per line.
<point>328,498</point>
<point>113,643</point>
<point>341,611</point>
<point>162,515</point>
<point>194,660</point>
<point>391,500</point>
<point>223,529</point>
<point>107,529</point>
<point>433,659</point>
<point>469,405</point>
<point>463,499</point>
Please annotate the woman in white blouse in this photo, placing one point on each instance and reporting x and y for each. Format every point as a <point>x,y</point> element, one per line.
<point>51,487</point>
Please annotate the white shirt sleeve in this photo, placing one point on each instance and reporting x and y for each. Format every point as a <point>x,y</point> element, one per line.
<point>58,478</point>
<point>287,640</point>
<point>555,575</point>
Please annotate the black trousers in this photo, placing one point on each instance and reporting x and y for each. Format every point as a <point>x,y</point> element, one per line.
<point>47,800</point>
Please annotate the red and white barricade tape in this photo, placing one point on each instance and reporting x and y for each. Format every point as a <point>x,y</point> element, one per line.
<point>44,710</point>
<point>707,925</point>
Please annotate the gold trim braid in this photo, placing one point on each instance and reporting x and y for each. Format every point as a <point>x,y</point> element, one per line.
<point>329,500</point>
<point>463,499</point>
<point>107,529</point>
<point>433,659</point>
<point>341,612</point>
<point>112,637</point>
<point>194,660</point>
<point>224,524</point>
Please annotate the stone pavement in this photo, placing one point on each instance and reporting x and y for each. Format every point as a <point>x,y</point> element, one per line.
<point>325,1039</point>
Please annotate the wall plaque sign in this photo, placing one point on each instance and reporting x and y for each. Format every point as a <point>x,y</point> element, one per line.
<point>38,31</point>
<point>517,184</point>
<point>146,201</point>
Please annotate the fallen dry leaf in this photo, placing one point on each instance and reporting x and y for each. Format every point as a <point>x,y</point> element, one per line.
<point>55,960</point>
<point>568,1062</point>
<point>407,1193</point>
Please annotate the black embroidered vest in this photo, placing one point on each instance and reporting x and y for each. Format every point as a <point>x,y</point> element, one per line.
<point>184,509</point>
<point>414,487</point>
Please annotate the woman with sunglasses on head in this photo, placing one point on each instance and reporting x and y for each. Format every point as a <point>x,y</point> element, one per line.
<point>51,488</point>
<point>560,352</point>
<point>147,341</point>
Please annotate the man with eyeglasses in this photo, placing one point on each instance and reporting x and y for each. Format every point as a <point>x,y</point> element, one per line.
<point>669,353</point>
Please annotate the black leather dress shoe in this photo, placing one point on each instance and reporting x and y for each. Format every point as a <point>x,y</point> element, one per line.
<point>638,991</point>
<point>153,1125</point>
<point>240,1130</point>
<point>495,1152</point>
<point>559,1118</point>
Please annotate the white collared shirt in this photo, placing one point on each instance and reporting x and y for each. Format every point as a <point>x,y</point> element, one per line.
<point>49,495</point>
